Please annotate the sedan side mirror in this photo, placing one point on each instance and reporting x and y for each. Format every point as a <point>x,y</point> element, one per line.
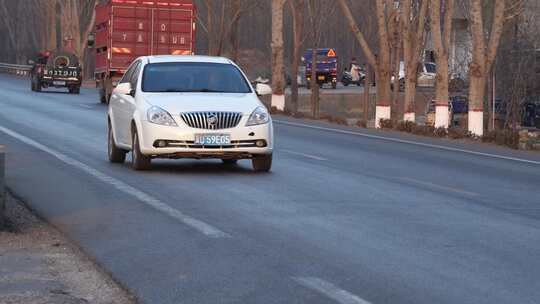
<point>263,89</point>
<point>124,89</point>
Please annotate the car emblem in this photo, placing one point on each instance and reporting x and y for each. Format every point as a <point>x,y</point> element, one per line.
<point>212,119</point>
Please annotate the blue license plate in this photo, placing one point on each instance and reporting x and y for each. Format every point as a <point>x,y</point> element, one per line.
<point>212,139</point>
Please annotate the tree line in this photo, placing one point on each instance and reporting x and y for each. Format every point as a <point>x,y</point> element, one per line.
<point>397,32</point>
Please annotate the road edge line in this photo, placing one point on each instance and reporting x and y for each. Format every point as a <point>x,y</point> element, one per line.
<point>148,200</point>
<point>330,290</point>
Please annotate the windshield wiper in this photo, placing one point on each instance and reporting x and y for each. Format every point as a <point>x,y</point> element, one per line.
<point>209,91</point>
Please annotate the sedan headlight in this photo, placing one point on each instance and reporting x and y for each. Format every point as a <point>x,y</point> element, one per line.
<point>258,117</point>
<point>161,117</point>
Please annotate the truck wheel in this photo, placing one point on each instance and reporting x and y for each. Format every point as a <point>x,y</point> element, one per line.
<point>108,88</point>
<point>74,90</point>
<point>102,91</point>
<point>102,97</point>
<point>140,161</point>
<point>116,155</point>
<point>38,86</point>
<point>334,85</point>
<point>262,163</point>
<point>402,85</point>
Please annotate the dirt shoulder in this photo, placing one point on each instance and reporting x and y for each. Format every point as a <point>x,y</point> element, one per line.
<point>39,265</point>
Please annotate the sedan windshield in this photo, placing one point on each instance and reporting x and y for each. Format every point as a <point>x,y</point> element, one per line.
<point>194,77</point>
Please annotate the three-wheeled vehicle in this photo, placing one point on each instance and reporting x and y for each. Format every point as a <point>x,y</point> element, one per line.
<point>326,67</point>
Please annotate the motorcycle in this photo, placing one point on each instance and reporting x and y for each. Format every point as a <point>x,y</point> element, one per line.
<point>347,78</point>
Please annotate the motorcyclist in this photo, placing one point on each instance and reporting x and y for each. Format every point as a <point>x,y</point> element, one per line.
<point>355,70</point>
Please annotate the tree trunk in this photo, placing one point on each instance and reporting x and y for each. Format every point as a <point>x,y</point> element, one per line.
<point>383,109</point>
<point>293,108</point>
<point>298,34</point>
<point>442,97</point>
<point>409,111</point>
<point>441,40</point>
<point>412,25</point>
<point>396,59</point>
<point>278,97</point>
<point>234,39</point>
<point>477,94</point>
<point>483,56</point>
<point>314,85</point>
<point>384,94</point>
<point>367,93</point>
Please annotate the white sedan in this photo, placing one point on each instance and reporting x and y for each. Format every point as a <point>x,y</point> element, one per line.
<point>188,107</point>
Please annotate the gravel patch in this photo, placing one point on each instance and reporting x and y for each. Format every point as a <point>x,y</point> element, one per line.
<point>38,265</point>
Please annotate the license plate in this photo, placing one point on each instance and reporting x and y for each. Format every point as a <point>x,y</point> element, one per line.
<point>321,78</point>
<point>212,139</point>
<point>59,83</point>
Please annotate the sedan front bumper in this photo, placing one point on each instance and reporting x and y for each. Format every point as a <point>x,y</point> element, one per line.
<point>179,142</point>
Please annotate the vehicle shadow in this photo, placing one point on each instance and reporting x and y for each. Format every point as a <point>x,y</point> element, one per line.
<point>200,167</point>
<point>55,92</point>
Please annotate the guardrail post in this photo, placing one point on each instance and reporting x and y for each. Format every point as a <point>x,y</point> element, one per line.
<point>2,185</point>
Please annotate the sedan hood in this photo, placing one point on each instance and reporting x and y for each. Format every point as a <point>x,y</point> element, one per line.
<point>176,103</point>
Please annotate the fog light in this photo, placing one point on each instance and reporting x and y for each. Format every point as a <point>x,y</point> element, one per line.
<point>260,143</point>
<point>162,144</point>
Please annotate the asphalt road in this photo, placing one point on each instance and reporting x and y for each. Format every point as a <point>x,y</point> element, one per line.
<point>344,217</point>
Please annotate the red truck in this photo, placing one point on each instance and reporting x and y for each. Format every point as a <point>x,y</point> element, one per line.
<point>127,29</point>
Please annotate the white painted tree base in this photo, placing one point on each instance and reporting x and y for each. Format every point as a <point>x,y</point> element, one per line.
<point>409,117</point>
<point>476,122</point>
<point>442,117</point>
<point>381,112</point>
<point>278,101</point>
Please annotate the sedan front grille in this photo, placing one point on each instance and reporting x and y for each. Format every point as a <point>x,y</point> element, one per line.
<point>212,120</point>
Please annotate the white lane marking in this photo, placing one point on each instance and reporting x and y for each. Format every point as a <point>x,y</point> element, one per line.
<point>410,142</point>
<point>203,227</point>
<point>440,187</point>
<point>86,106</point>
<point>303,154</point>
<point>330,290</point>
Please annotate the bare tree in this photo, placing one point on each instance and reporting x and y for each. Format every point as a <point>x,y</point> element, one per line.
<point>396,52</point>
<point>318,12</point>
<point>484,52</point>
<point>381,63</point>
<point>278,83</point>
<point>221,24</point>
<point>299,36</point>
<point>441,28</point>
<point>413,20</point>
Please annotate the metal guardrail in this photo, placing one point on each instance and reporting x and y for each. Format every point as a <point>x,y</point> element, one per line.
<point>16,69</point>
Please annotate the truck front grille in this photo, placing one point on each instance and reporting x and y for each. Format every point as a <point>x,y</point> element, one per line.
<point>212,120</point>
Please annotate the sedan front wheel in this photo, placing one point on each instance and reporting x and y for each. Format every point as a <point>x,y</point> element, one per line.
<point>139,161</point>
<point>262,163</point>
<point>116,155</point>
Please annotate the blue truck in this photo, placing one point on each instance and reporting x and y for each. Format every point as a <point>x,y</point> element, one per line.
<point>326,67</point>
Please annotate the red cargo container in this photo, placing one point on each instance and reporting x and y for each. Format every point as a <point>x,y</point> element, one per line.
<point>127,29</point>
